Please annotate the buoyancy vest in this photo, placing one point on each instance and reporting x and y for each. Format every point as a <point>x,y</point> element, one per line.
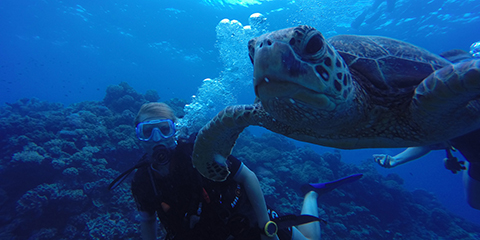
<point>188,205</point>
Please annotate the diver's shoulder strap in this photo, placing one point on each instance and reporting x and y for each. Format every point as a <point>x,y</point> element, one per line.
<point>141,163</point>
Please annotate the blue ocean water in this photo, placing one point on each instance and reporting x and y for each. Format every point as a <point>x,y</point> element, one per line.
<point>70,51</point>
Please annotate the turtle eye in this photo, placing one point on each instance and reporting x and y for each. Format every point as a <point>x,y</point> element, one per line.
<point>314,44</point>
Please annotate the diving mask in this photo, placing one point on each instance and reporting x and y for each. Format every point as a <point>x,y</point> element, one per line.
<point>155,130</point>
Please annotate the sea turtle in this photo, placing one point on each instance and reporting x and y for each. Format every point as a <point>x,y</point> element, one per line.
<point>346,92</point>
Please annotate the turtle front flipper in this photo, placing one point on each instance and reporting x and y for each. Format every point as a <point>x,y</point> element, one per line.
<point>454,89</point>
<point>216,139</point>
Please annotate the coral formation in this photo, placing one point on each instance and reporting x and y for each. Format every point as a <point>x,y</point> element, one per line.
<point>56,163</point>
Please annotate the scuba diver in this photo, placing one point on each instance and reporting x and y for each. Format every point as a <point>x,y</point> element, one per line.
<point>467,145</point>
<point>192,207</point>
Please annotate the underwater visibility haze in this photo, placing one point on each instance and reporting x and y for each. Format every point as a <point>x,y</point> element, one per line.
<point>73,74</point>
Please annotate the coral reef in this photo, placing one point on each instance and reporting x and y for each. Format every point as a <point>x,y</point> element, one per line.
<point>56,163</point>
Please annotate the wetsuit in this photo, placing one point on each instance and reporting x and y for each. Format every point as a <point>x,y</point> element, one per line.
<point>192,207</point>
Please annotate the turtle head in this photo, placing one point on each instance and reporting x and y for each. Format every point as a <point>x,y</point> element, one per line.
<point>299,66</point>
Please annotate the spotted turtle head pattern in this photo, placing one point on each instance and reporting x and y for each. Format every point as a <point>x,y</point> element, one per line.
<point>297,67</point>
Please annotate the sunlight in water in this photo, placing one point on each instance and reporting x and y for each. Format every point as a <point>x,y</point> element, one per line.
<point>224,3</point>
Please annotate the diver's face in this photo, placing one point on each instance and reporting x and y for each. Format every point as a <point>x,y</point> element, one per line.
<point>155,131</point>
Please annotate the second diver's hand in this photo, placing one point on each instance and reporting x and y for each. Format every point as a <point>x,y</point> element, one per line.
<point>384,160</point>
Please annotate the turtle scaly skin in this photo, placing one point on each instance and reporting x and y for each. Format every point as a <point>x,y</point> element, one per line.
<point>223,129</point>
<point>346,92</point>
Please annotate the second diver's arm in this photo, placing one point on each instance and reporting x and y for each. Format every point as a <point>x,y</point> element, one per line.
<point>408,155</point>
<point>250,181</point>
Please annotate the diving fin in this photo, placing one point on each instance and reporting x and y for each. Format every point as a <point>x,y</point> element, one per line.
<point>271,227</point>
<point>322,188</point>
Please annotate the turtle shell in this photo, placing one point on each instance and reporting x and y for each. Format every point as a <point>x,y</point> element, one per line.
<point>385,66</point>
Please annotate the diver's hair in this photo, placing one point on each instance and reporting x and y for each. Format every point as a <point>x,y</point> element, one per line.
<point>155,108</point>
